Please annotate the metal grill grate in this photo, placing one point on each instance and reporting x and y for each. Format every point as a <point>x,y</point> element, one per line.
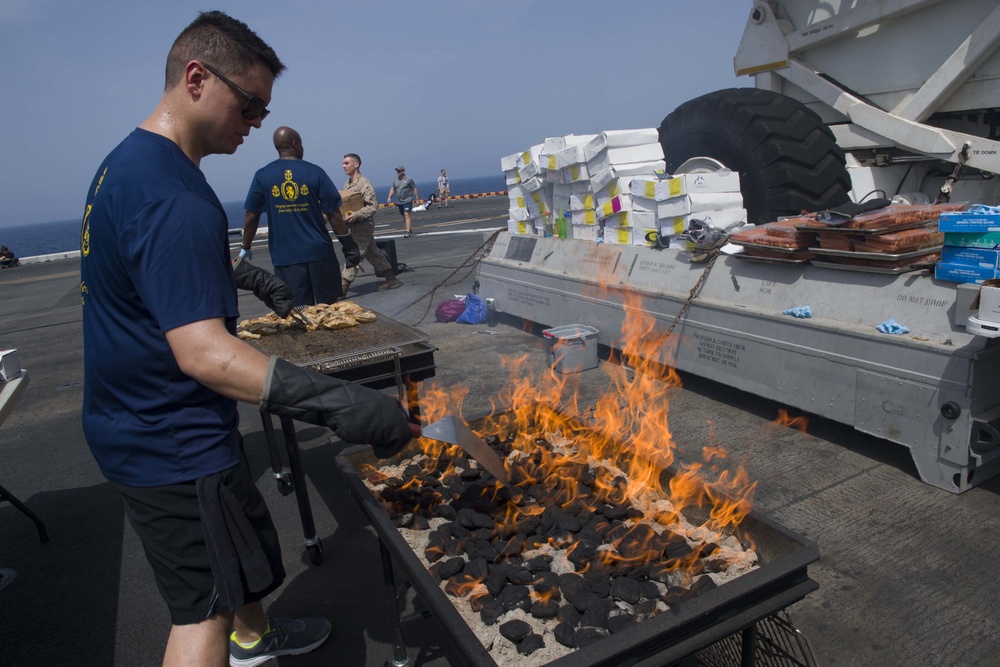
<point>340,349</point>
<point>779,644</point>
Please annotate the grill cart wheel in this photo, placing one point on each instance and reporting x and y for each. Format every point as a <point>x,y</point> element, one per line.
<point>786,156</point>
<point>315,552</point>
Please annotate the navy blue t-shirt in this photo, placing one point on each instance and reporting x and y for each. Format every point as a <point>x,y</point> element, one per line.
<point>154,256</point>
<point>295,194</point>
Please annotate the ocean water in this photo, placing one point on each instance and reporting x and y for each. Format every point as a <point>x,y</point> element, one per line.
<point>45,238</point>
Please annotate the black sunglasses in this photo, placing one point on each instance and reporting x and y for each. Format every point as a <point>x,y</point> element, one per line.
<point>253,108</point>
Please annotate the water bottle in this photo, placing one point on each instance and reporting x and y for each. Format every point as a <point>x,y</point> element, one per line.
<point>491,313</point>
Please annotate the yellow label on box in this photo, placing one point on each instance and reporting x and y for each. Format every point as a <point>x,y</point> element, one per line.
<point>517,177</point>
<point>520,202</point>
<point>613,189</point>
<point>678,224</point>
<point>624,236</point>
<point>588,201</point>
<point>588,218</point>
<point>522,228</point>
<point>675,187</point>
<point>650,190</point>
<point>526,157</point>
<point>649,236</point>
<point>608,208</point>
<point>552,162</point>
<point>575,172</point>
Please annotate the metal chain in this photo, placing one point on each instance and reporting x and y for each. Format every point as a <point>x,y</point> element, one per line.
<point>476,256</point>
<point>714,255</point>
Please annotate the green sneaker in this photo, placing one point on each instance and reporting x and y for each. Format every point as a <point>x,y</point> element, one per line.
<point>284,636</point>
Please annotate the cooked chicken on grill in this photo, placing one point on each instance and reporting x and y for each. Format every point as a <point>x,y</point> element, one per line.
<point>339,315</point>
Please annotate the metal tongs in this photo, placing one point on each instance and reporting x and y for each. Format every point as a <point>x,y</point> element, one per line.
<point>297,314</point>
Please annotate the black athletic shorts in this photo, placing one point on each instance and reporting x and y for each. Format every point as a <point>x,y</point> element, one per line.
<point>168,522</point>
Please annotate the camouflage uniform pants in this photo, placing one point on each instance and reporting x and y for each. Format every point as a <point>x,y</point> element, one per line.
<point>364,235</point>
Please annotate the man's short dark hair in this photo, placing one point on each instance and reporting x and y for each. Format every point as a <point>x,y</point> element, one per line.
<point>355,157</point>
<point>223,42</point>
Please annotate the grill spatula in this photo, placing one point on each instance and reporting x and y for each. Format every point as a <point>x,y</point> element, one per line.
<point>454,431</point>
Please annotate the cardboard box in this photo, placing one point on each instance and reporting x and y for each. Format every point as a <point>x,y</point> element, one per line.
<point>584,218</point>
<point>969,221</point>
<point>520,214</point>
<point>985,257</point>
<point>987,302</point>
<point>697,202</point>
<point>585,232</point>
<point>10,365</point>
<point>509,162</point>
<point>617,187</point>
<point>615,205</point>
<point>621,219</point>
<point>521,227</point>
<point>624,155</point>
<point>531,155</point>
<point>553,145</point>
<point>532,184</point>
<point>644,219</point>
<point>599,180</point>
<point>620,138</point>
<point>963,273</point>
<point>973,239</point>
<point>582,201</point>
<point>618,235</point>
<point>529,170</point>
<point>351,202</point>
<point>723,180</point>
<point>576,173</point>
<point>511,177</point>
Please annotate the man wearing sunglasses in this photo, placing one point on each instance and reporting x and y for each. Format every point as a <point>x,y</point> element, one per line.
<point>163,369</point>
<point>300,199</point>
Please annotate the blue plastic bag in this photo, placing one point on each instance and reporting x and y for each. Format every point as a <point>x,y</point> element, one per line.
<point>475,310</point>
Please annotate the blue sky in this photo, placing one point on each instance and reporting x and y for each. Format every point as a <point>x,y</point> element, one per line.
<point>452,84</point>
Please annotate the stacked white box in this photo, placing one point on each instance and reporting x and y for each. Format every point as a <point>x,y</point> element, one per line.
<point>670,203</point>
<point>574,186</point>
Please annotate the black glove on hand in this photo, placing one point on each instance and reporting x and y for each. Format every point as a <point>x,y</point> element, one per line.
<point>352,256</point>
<point>355,413</point>
<point>265,286</point>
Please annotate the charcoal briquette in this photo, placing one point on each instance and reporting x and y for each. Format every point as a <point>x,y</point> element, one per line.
<point>595,616</point>
<point>478,569</point>
<point>544,608</point>
<point>512,547</point>
<point>496,579</point>
<point>570,582</point>
<point>515,630</point>
<point>449,568</point>
<point>546,581</point>
<point>468,518</point>
<point>419,522</point>
<point>491,611</point>
<point>569,615</point>
<point>637,542</point>
<point>569,523</point>
<point>676,595</point>
<point>538,563</point>
<point>520,575</point>
<point>627,589</point>
<point>530,644</point>
<point>565,635</point>
<point>446,512</point>
<point>512,595</point>
<point>620,622</point>
<point>649,590</point>
<point>402,520</point>
<point>470,474</point>
<point>459,585</point>
<point>412,471</point>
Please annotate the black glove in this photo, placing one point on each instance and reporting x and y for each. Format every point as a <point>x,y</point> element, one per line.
<point>265,286</point>
<point>355,413</point>
<point>352,256</point>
